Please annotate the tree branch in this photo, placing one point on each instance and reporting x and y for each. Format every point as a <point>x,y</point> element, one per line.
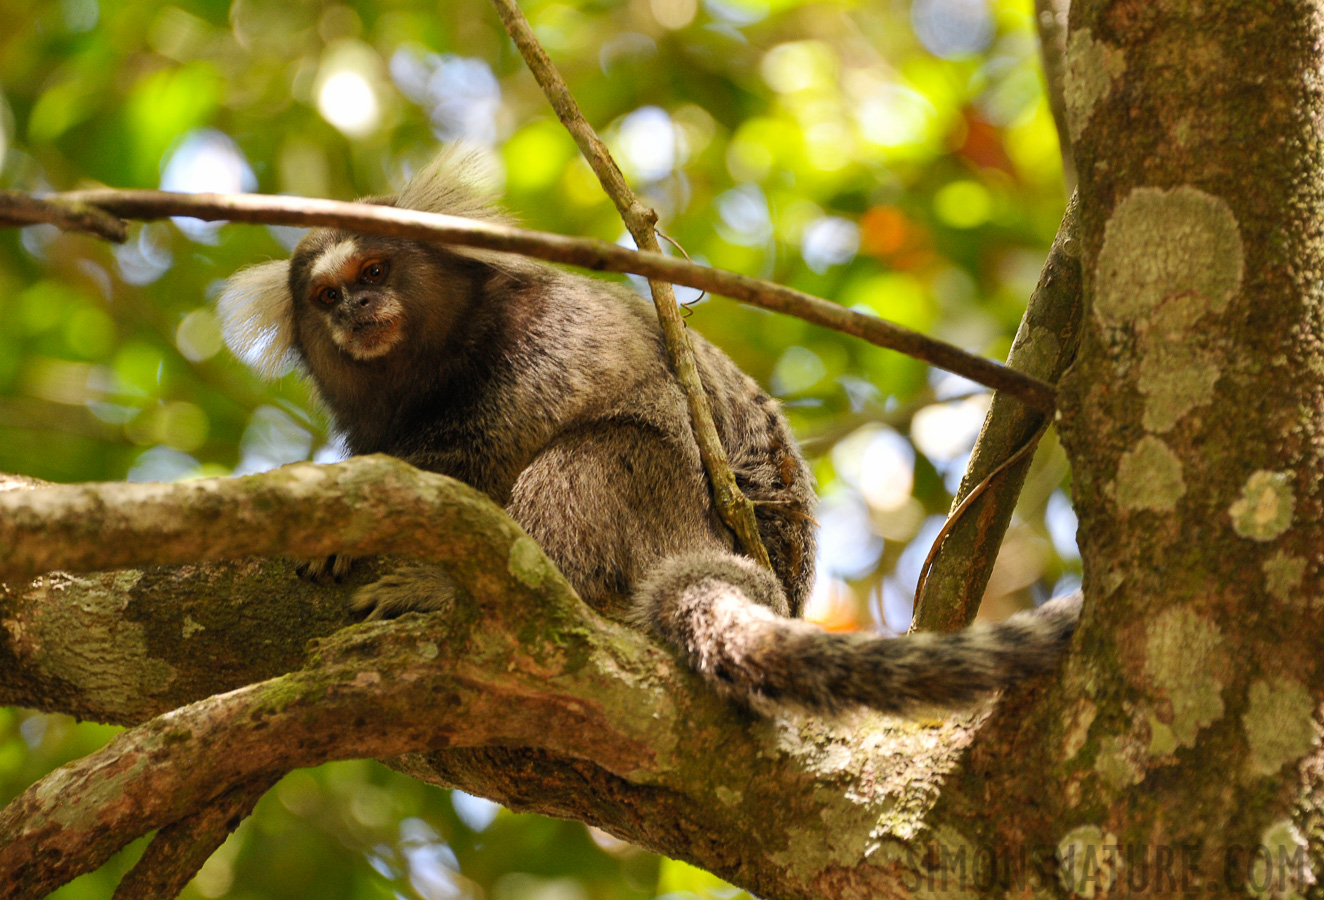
<point>1050,17</point>
<point>587,253</point>
<point>732,505</point>
<point>521,690</point>
<point>179,849</point>
<point>18,209</point>
<point>1045,345</point>
<point>305,510</point>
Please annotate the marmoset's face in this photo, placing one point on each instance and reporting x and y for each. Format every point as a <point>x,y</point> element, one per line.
<point>345,285</point>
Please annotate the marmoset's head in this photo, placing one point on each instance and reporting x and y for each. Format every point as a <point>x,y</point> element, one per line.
<point>345,301</point>
<point>346,290</point>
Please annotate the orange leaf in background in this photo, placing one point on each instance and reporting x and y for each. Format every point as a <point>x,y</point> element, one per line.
<point>883,230</point>
<point>888,234</point>
<point>832,607</point>
<point>982,145</point>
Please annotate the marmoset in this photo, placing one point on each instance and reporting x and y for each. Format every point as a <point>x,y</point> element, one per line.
<point>552,393</point>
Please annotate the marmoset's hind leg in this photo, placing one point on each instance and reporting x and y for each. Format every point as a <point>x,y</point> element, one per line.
<point>609,502</point>
<point>628,519</point>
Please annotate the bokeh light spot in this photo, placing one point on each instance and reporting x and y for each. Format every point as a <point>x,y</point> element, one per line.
<point>963,204</point>
<point>952,28</point>
<point>348,102</point>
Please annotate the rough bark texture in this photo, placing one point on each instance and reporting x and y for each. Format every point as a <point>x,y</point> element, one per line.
<point>521,693</point>
<point>1193,418</point>
<point>1178,753</point>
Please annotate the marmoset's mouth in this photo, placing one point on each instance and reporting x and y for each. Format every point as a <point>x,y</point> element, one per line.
<point>371,338</point>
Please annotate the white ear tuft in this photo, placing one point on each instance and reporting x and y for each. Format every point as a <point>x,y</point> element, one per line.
<point>257,317</point>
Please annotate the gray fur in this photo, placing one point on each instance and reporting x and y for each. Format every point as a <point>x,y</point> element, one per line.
<point>551,392</point>
<point>762,661</point>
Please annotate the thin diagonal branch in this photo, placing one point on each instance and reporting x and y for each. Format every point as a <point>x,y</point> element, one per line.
<point>1045,345</point>
<point>732,505</point>
<point>179,849</point>
<point>587,253</point>
<point>1051,19</point>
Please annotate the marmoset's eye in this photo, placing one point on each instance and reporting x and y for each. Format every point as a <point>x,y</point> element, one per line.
<point>329,296</point>
<point>372,273</point>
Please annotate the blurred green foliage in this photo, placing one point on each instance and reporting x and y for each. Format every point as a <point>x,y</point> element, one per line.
<point>895,156</point>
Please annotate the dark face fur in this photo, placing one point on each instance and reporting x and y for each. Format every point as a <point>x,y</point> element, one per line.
<point>346,293</point>
<point>381,324</point>
<point>365,304</point>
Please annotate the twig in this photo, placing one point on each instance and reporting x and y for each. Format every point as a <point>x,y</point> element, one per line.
<point>178,851</point>
<point>1051,19</point>
<point>1045,344</point>
<point>587,253</point>
<point>958,511</point>
<point>732,504</point>
<point>18,209</point>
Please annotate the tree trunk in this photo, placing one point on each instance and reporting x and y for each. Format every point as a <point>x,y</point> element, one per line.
<point>1193,421</point>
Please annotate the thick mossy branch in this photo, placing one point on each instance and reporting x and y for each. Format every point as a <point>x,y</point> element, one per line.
<point>369,692</point>
<point>366,505</point>
<point>517,693</point>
